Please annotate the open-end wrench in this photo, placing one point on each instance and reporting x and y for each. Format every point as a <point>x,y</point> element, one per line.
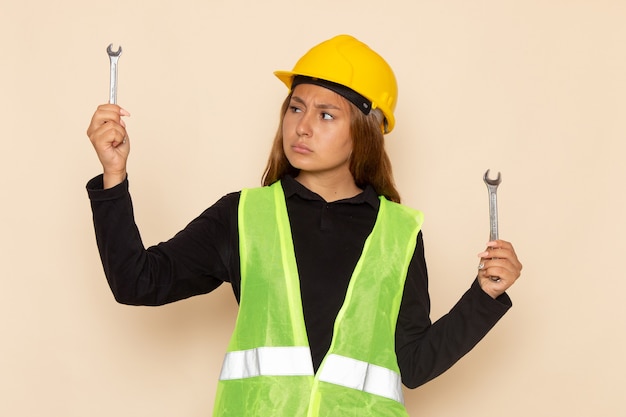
<point>113,57</point>
<point>492,187</point>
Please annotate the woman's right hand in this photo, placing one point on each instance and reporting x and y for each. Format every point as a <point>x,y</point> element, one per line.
<point>107,133</point>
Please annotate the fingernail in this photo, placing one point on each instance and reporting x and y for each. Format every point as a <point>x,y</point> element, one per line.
<point>123,123</point>
<point>124,112</point>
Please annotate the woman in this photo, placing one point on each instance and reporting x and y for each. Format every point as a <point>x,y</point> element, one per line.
<point>328,268</point>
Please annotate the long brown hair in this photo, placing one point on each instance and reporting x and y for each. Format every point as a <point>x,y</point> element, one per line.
<point>369,162</point>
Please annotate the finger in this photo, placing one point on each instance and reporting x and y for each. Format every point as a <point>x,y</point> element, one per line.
<point>499,244</point>
<point>501,268</point>
<point>106,118</point>
<point>109,134</point>
<point>500,253</point>
<point>114,108</point>
<point>490,246</point>
<point>107,113</point>
<point>507,255</point>
<point>485,271</point>
<point>499,248</point>
<point>125,142</point>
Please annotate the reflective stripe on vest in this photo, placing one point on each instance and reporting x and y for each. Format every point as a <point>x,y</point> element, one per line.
<point>362,376</point>
<point>289,361</point>
<point>267,361</point>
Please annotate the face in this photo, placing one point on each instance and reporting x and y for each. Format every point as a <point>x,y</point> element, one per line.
<point>316,131</point>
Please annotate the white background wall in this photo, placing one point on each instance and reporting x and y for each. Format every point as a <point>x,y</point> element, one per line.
<point>534,89</point>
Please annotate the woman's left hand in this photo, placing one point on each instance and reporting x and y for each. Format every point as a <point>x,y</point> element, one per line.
<point>499,268</point>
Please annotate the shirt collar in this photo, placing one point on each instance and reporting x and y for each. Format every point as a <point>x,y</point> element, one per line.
<point>292,187</point>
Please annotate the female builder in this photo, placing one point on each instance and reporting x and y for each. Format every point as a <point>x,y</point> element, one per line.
<point>327,267</point>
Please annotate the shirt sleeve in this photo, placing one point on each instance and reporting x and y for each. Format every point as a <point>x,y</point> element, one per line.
<point>425,350</point>
<point>195,261</point>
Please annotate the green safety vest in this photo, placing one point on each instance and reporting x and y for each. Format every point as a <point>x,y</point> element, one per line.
<point>268,371</point>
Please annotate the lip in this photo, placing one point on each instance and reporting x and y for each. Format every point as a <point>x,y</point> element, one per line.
<point>301,148</point>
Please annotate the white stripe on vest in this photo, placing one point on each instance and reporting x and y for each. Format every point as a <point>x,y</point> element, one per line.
<point>296,361</point>
<point>363,376</point>
<point>267,361</point>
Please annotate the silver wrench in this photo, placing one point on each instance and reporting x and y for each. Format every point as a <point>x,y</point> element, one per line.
<point>492,187</point>
<point>113,57</point>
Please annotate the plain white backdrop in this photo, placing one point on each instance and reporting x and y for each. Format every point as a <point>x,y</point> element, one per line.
<point>533,89</point>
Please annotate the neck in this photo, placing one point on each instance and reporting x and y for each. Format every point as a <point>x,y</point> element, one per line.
<point>329,187</point>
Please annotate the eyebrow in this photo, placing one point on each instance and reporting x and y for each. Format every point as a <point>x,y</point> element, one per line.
<point>319,106</point>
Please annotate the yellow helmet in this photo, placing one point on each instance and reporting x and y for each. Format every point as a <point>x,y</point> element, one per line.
<point>347,61</point>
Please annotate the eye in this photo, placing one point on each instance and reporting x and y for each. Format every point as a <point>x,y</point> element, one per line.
<point>294,109</point>
<point>327,116</point>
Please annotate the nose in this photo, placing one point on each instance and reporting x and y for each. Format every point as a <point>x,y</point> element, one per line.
<point>303,127</point>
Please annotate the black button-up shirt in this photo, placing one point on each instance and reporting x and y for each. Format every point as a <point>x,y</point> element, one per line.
<point>328,240</point>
